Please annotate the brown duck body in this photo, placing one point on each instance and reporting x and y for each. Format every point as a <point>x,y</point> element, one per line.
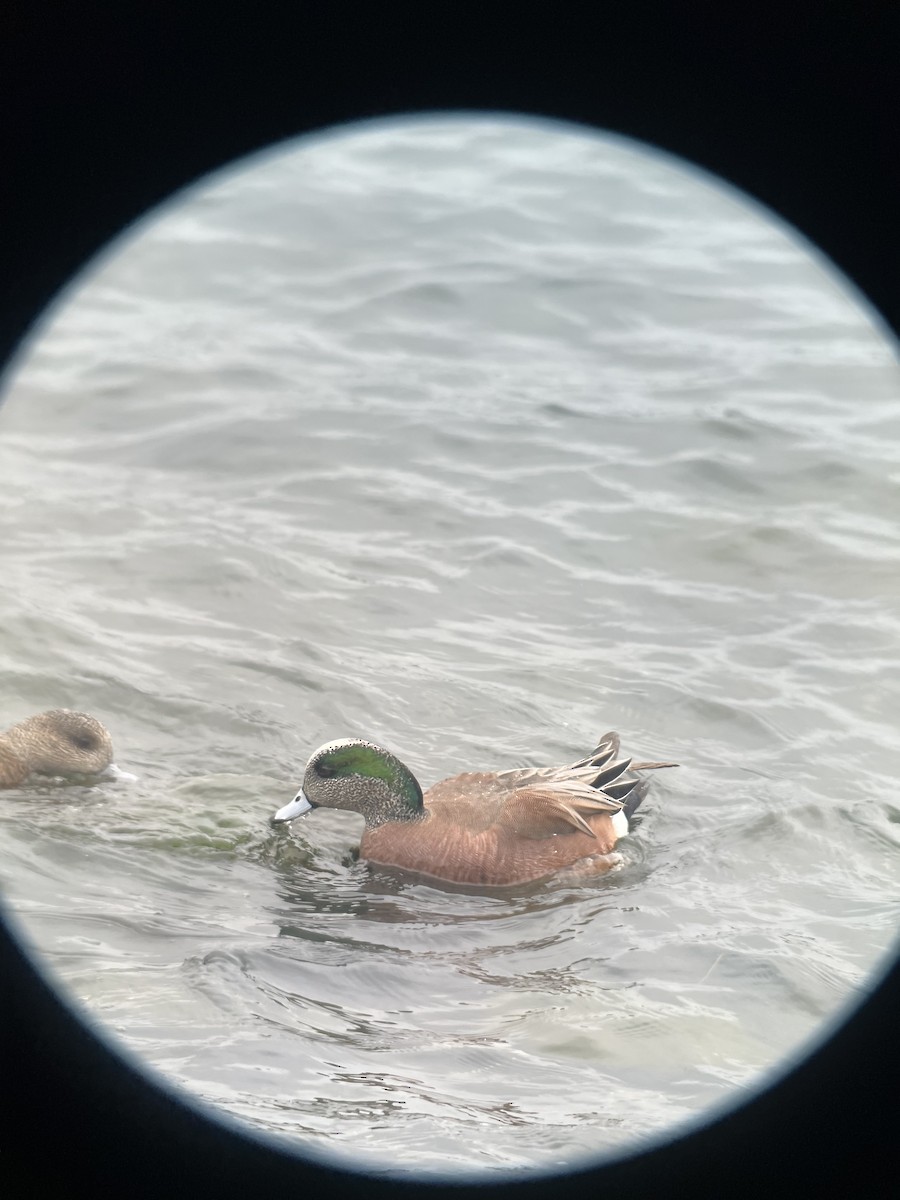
<point>488,828</point>
<point>480,828</point>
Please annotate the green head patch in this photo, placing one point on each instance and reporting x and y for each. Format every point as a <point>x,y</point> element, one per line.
<point>341,760</point>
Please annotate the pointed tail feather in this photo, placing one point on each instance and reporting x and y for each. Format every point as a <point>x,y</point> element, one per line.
<point>604,752</point>
<point>634,798</point>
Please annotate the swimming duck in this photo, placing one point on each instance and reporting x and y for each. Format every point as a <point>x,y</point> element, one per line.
<point>488,828</point>
<point>58,742</point>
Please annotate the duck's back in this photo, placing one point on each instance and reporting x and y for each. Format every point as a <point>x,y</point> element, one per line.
<point>496,829</point>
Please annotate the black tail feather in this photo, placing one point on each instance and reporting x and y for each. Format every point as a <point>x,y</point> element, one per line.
<point>635,796</point>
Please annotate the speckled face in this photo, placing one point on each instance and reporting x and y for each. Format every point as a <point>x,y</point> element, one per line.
<point>359,776</point>
<point>75,743</point>
<point>352,773</point>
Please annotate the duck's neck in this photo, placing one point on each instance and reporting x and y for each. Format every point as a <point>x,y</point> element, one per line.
<point>13,769</point>
<point>390,807</point>
<point>393,796</point>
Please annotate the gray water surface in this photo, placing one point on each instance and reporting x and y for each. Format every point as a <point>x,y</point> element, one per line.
<point>477,439</point>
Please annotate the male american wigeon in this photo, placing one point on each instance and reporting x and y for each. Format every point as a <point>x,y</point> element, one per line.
<point>487,828</point>
<point>57,743</point>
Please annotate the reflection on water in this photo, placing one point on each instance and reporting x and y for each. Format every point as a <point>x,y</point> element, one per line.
<point>473,439</point>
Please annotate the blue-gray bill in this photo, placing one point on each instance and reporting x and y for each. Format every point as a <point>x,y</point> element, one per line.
<point>297,807</point>
<point>117,774</point>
